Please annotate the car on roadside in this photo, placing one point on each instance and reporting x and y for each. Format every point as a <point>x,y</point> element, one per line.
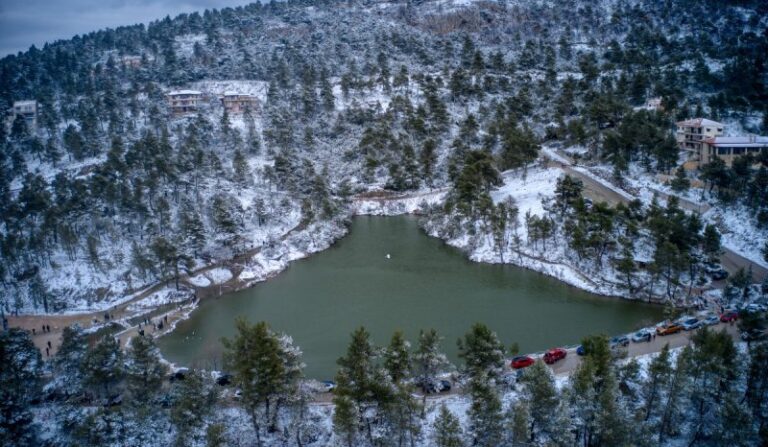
<point>554,354</point>
<point>435,386</point>
<point>329,386</point>
<point>729,316</point>
<point>643,335</point>
<point>715,271</point>
<point>619,341</point>
<point>522,361</point>
<point>754,308</point>
<point>224,379</point>
<point>710,320</point>
<point>179,374</point>
<point>753,335</point>
<point>580,350</point>
<point>668,329</point>
<point>690,324</point>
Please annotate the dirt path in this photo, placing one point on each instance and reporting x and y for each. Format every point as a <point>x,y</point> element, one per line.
<point>120,313</point>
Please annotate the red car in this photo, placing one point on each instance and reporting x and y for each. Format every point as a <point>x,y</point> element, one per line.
<point>554,355</point>
<point>729,316</point>
<point>522,361</point>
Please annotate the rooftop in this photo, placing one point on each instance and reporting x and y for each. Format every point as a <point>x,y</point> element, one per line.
<point>698,122</point>
<point>185,92</point>
<point>27,102</point>
<point>746,141</point>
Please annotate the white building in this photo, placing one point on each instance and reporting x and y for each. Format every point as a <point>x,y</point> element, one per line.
<point>729,148</point>
<point>691,134</point>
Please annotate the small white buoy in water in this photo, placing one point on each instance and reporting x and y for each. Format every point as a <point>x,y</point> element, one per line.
<point>388,256</point>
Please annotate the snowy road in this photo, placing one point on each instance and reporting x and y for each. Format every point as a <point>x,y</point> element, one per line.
<point>599,189</point>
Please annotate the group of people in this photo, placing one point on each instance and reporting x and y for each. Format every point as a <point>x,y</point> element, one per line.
<point>45,328</point>
<point>155,326</point>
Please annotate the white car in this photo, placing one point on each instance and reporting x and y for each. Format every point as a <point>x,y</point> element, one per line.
<point>643,335</point>
<point>711,320</point>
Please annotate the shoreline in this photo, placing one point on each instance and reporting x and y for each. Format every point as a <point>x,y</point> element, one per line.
<point>247,271</point>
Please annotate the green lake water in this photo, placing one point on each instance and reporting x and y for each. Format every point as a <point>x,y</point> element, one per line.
<point>424,283</point>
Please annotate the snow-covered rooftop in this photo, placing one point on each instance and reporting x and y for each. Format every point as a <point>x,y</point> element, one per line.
<point>184,92</point>
<point>746,141</point>
<point>698,122</point>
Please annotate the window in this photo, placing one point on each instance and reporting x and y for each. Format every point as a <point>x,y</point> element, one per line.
<point>738,151</point>
<point>719,129</point>
<point>723,150</point>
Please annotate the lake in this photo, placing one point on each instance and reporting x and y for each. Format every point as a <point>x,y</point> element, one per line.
<point>423,284</point>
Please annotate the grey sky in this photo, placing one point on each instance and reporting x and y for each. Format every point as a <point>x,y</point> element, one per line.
<point>27,22</point>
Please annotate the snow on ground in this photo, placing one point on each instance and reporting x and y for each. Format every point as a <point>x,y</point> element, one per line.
<point>529,189</point>
<point>739,232</point>
<point>738,228</point>
<point>166,295</point>
<point>219,275</point>
<point>412,203</point>
<point>200,281</point>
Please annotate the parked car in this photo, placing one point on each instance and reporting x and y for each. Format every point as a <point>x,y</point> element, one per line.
<point>436,386</point>
<point>641,336</point>
<point>224,379</point>
<point>619,341</point>
<point>754,308</point>
<point>522,361</point>
<point>668,329</point>
<point>729,316</point>
<point>179,374</point>
<point>690,324</point>
<point>711,320</point>
<point>715,271</point>
<point>554,354</point>
<point>580,350</point>
<point>753,335</point>
<point>329,385</point>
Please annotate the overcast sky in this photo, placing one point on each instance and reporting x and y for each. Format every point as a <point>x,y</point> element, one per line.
<point>27,22</point>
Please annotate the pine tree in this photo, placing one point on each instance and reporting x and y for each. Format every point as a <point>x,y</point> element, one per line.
<point>68,376</point>
<point>103,366</point>
<point>20,376</point>
<point>144,373</point>
<point>680,183</point>
<point>240,167</point>
<point>397,358</point>
<point>518,424</point>
<point>543,398</point>
<point>193,401</point>
<point>482,352</point>
<point>428,362</point>
<point>659,374</point>
<point>486,421</point>
<point>364,382</point>
<point>345,417</point>
<point>711,243</point>
<point>253,355</point>
<point>447,429</point>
